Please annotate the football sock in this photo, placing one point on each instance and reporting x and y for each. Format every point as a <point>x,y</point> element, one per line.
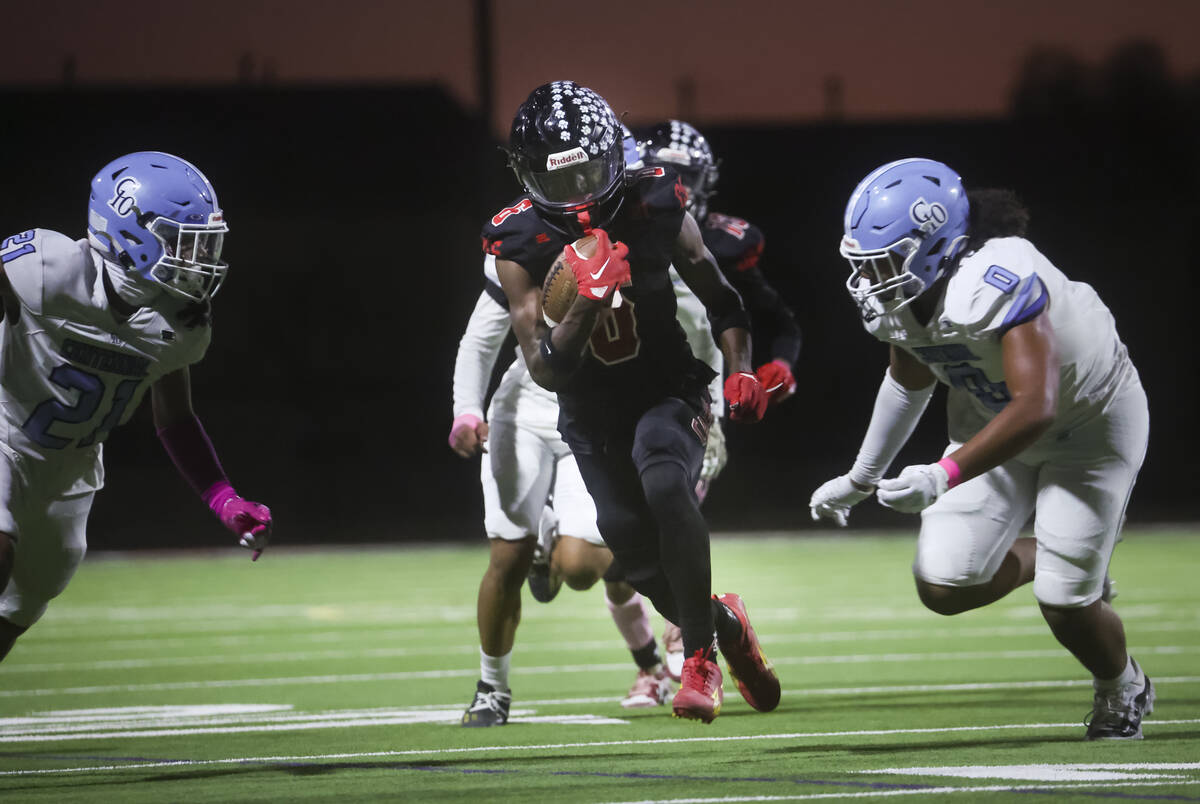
<point>493,670</point>
<point>1129,675</point>
<point>683,543</point>
<point>647,656</point>
<point>632,619</point>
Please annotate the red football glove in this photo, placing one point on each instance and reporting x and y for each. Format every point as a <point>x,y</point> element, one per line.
<point>777,380</point>
<point>746,397</point>
<point>602,273</point>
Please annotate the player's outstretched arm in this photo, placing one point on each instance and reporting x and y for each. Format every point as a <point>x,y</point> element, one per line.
<point>903,396</point>
<point>185,441</point>
<point>776,321</point>
<point>726,316</point>
<point>551,355</point>
<point>1031,374</point>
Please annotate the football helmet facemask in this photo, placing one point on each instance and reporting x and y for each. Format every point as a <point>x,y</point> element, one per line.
<point>158,216</point>
<point>904,225</point>
<point>566,150</point>
<point>680,146</point>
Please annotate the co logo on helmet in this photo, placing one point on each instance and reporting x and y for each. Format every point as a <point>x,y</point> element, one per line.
<point>123,198</point>
<point>930,217</point>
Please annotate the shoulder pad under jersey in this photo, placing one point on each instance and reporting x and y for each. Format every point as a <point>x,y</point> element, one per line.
<point>49,272</point>
<point>996,288</point>
<point>654,191</point>
<point>736,244</point>
<point>518,233</point>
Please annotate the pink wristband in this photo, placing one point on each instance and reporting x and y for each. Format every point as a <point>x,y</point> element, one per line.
<point>952,470</point>
<point>461,421</point>
<point>217,495</point>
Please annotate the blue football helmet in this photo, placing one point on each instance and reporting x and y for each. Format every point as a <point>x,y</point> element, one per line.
<point>633,154</point>
<point>158,216</point>
<point>680,146</point>
<point>905,223</point>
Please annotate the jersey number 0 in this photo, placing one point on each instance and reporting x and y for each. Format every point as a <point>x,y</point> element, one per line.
<point>615,338</point>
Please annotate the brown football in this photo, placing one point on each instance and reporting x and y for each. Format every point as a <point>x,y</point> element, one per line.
<point>560,289</point>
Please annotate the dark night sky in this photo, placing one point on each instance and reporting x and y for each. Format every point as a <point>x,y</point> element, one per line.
<point>754,60</point>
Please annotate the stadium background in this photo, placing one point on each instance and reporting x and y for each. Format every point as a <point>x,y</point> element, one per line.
<point>355,212</point>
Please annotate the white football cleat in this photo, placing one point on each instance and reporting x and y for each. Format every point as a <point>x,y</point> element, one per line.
<point>649,689</point>
<point>673,647</point>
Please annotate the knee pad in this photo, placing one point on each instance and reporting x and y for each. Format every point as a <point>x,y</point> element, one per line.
<point>665,479</point>
<point>31,588</point>
<point>1070,573</point>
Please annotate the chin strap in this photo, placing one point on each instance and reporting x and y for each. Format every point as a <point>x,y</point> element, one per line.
<point>585,221</point>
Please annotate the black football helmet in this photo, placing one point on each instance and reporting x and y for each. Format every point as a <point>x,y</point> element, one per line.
<point>565,148</point>
<point>681,147</point>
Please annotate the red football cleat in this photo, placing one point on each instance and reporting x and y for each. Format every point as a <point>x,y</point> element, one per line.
<point>700,694</point>
<point>755,676</point>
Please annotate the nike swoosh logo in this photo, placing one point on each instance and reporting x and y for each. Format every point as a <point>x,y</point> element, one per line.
<point>602,267</point>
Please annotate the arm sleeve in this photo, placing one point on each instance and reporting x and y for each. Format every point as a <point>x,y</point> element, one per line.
<point>897,411</point>
<point>193,455</point>
<point>769,313</point>
<point>477,352</point>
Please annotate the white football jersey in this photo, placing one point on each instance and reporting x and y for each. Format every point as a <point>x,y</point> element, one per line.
<point>1005,283</point>
<point>71,371</point>
<point>517,394</point>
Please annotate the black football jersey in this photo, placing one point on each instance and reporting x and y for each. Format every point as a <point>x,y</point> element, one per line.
<point>737,246</point>
<point>638,353</point>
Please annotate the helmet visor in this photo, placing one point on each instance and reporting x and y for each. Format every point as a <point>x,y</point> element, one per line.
<point>577,183</point>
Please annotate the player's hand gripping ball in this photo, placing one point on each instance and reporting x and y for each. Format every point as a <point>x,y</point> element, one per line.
<point>592,267</point>
<point>560,288</point>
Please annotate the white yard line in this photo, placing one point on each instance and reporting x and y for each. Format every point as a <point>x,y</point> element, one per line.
<point>359,678</point>
<point>926,791</point>
<point>569,746</point>
<point>139,644</point>
<point>250,613</point>
<point>290,657</point>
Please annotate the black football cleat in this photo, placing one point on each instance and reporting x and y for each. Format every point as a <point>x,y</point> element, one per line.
<point>489,708</point>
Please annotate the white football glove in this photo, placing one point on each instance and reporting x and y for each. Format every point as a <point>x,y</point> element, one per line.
<point>715,456</point>
<point>834,499</point>
<point>915,488</point>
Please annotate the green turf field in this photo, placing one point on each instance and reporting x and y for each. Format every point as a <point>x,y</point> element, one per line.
<point>341,675</point>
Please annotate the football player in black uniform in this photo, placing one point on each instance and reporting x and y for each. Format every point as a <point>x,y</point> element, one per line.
<point>736,244</point>
<point>633,399</point>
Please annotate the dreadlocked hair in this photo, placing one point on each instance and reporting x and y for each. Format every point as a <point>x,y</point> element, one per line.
<point>994,213</point>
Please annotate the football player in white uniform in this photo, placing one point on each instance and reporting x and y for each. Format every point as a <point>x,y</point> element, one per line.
<point>89,325</point>
<point>532,488</point>
<point>1047,416</point>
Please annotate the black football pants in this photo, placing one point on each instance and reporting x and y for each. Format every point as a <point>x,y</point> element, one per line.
<point>644,490</point>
